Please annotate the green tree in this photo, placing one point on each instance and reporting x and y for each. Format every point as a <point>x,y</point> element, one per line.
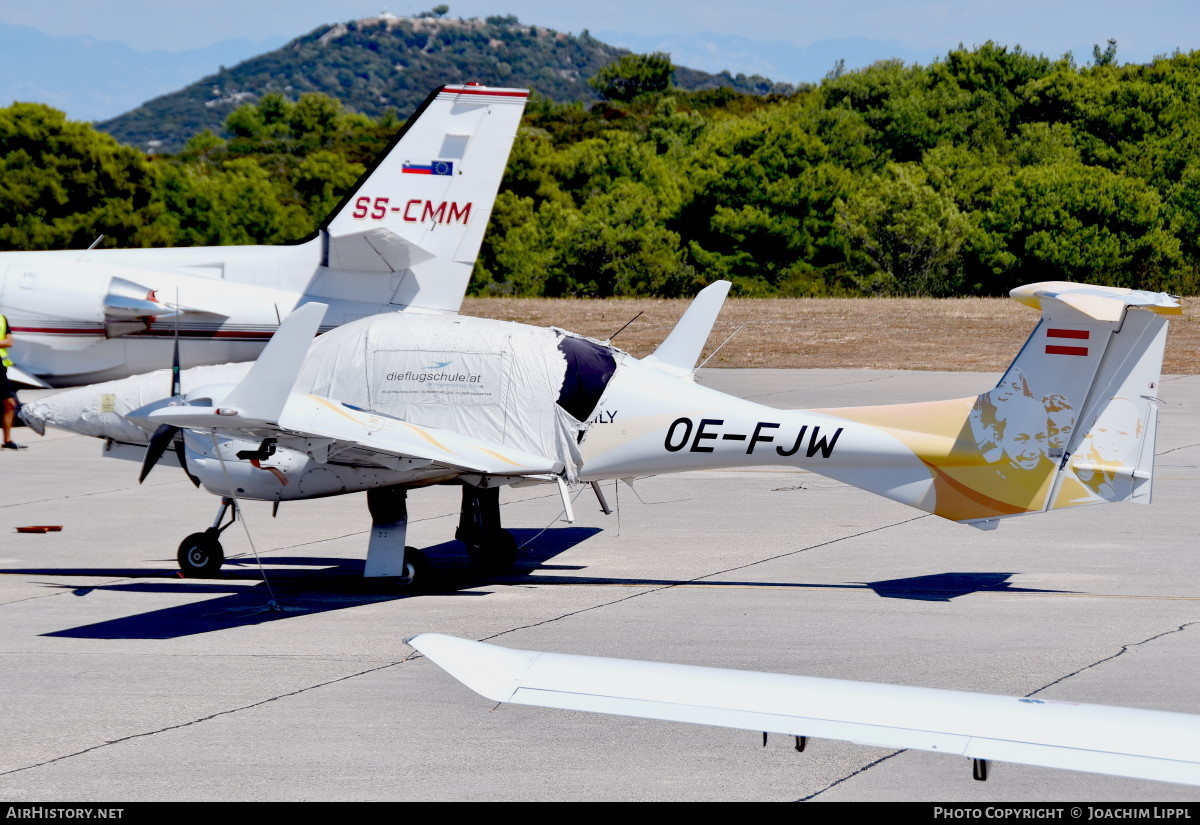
<point>65,183</point>
<point>1068,221</point>
<point>1107,56</point>
<point>906,234</point>
<point>634,76</point>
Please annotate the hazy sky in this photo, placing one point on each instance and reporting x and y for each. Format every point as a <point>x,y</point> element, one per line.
<point>1052,27</point>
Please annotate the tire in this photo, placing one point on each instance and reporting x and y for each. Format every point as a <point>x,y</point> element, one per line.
<point>419,569</point>
<point>493,552</point>
<point>419,577</point>
<point>200,556</point>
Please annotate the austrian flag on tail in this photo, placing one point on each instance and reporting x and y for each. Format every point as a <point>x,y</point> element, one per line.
<point>435,167</point>
<point>1069,334</point>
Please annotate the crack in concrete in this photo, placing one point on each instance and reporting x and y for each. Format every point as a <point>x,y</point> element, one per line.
<point>695,579</point>
<point>211,716</point>
<point>1173,449</point>
<point>1124,649</point>
<point>850,776</point>
<point>84,495</point>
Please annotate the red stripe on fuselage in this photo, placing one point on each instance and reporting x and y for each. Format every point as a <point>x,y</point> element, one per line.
<point>1068,333</point>
<point>98,332</point>
<point>1053,349</point>
<point>484,91</point>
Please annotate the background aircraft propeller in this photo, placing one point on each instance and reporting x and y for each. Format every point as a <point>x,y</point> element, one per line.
<point>168,435</point>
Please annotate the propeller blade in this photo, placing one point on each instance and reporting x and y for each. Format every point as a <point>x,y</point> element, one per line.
<point>159,442</point>
<point>175,384</point>
<point>183,461</point>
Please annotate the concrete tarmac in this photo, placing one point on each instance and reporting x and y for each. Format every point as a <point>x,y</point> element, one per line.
<point>121,681</point>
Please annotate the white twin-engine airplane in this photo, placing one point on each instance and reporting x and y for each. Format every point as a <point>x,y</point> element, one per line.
<point>394,402</point>
<point>1144,744</point>
<point>406,237</point>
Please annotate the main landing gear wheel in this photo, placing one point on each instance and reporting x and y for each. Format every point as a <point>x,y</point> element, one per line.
<point>492,548</point>
<point>418,576</point>
<point>418,571</point>
<point>491,551</point>
<point>200,555</point>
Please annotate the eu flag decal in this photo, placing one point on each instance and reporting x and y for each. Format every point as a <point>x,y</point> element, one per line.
<point>435,167</point>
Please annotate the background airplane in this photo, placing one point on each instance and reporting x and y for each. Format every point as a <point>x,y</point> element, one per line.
<point>405,238</point>
<point>391,403</point>
<point>1145,744</point>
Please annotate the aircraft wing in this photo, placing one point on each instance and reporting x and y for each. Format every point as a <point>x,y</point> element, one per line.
<point>262,405</point>
<point>354,436</point>
<point>381,436</point>
<point>21,378</point>
<point>1143,744</point>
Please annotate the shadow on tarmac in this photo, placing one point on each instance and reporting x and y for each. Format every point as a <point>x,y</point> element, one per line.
<point>301,585</point>
<point>946,586</point>
<point>320,585</point>
<point>940,587</point>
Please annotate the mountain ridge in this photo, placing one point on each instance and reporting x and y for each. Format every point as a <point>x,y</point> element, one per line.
<point>383,63</point>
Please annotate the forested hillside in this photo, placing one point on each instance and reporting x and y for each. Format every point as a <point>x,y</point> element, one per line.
<point>986,169</point>
<point>389,63</point>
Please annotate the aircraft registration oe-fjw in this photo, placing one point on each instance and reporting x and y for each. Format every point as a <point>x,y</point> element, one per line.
<point>1144,744</point>
<point>404,238</point>
<point>394,402</point>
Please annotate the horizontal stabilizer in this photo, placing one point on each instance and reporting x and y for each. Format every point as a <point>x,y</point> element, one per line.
<point>682,348</point>
<point>375,250</point>
<point>1145,744</point>
<point>1102,303</point>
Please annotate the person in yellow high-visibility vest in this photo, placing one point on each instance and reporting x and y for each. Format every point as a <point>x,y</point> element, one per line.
<point>7,393</point>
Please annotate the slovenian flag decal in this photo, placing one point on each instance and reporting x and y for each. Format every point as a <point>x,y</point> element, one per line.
<point>435,167</point>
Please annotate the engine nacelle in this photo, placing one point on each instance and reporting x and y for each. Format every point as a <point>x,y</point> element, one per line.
<point>288,473</point>
<point>75,294</point>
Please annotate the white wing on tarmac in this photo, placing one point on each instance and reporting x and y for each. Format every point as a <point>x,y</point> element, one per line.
<point>1144,744</point>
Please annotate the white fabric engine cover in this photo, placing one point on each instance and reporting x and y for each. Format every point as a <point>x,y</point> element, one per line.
<point>99,409</point>
<point>492,380</point>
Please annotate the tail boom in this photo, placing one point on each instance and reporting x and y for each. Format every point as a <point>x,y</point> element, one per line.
<point>1072,422</point>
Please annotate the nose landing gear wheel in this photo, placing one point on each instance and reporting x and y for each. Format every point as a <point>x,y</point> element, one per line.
<point>200,556</point>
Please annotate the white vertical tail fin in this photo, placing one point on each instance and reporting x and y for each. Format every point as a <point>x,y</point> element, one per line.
<point>261,395</point>
<point>1072,421</point>
<point>1108,453</point>
<point>681,349</point>
<point>418,217</point>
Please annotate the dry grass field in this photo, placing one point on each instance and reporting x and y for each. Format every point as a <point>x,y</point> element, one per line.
<point>966,334</point>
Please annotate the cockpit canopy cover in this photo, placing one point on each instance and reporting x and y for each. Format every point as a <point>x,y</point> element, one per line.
<point>520,386</point>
